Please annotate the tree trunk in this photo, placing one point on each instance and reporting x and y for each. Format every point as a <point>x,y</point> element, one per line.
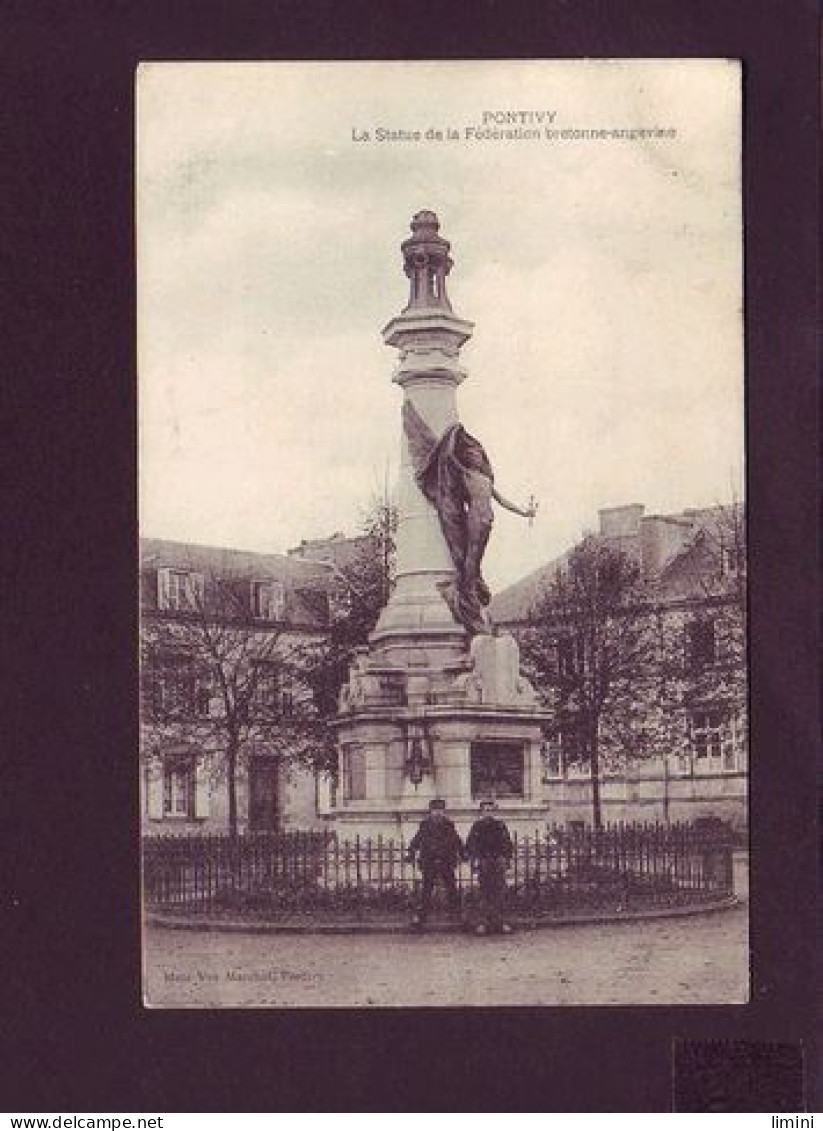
<point>666,788</point>
<point>594,764</point>
<point>231,781</point>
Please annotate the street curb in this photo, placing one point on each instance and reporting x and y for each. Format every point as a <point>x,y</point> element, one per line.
<point>238,926</point>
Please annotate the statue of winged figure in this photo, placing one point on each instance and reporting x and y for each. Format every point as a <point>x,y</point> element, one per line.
<point>455,475</point>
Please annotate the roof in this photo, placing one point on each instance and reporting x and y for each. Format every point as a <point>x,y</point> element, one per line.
<point>220,560</point>
<point>676,551</point>
<point>304,581</point>
<point>338,549</point>
<point>516,602</point>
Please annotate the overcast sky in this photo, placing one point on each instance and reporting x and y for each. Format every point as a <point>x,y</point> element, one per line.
<point>603,278</point>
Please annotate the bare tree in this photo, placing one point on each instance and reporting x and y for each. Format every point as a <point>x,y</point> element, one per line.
<point>225,674</point>
<point>589,646</point>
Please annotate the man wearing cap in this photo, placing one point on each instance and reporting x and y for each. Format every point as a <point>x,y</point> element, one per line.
<point>437,848</point>
<point>489,847</point>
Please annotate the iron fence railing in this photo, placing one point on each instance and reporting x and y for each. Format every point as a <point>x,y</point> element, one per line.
<point>552,871</point>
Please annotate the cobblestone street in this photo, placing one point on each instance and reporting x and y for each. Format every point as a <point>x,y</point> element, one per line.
<point>694,960</point>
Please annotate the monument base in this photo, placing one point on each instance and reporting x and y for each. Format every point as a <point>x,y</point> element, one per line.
<point>460,730</point>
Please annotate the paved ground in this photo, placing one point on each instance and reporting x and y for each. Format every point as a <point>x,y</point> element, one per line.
<point>695,960</point>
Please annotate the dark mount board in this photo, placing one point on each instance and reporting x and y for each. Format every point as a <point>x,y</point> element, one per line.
<point>80,1040</point>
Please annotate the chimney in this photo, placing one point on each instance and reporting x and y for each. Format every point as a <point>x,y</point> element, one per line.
<point>662,537</point>
<point>620,522</point>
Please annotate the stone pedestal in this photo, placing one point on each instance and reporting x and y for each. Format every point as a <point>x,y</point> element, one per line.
<point>459,730</point>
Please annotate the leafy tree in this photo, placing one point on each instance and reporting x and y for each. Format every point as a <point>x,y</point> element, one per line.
<point>701,646</point>
<point>722,575</point>
<point>360,587</point>
<point>726,588</point>
<point>589,647</point>
<point>628,661</point>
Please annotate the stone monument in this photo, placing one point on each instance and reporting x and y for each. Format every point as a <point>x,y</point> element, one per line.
<point>436,704</point>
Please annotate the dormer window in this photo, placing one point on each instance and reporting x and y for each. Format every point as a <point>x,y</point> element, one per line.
<point>731,556</point>
<point>179,590</point>
<point>268,600</point>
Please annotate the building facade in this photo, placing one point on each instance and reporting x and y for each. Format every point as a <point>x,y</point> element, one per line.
<point>220,632</point>
<point>680,751</point>
<point>685,755</point>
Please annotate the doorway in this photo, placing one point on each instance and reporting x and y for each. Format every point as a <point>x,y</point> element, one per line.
<point>264,795</point>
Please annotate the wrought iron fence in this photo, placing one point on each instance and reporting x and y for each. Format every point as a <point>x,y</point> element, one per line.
<point>554,871</point>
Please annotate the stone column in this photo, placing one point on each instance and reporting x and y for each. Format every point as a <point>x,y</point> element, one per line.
<point>428,336</point>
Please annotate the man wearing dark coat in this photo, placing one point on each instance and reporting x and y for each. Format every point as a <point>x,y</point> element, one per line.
<point>489,847</point>
<point>437,848</point>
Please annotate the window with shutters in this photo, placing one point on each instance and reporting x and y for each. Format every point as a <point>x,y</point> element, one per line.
<point>268,600</point>
<point>178,788</point>
<point>572,744</point>
<point>177,785</point>
<point>174,689</point>
<point>716,742</point>
<point>353,765</point>
<point>574,750</point>
<point>551,761</point>
<point>179,590</point>
<point>706,734</point>
<point>565,750</point>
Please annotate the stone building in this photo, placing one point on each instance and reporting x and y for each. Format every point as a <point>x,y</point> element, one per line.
<point>261,606</point>
<point>687,757</point>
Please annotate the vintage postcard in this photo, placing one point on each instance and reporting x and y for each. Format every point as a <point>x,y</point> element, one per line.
<point>443,565</point>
